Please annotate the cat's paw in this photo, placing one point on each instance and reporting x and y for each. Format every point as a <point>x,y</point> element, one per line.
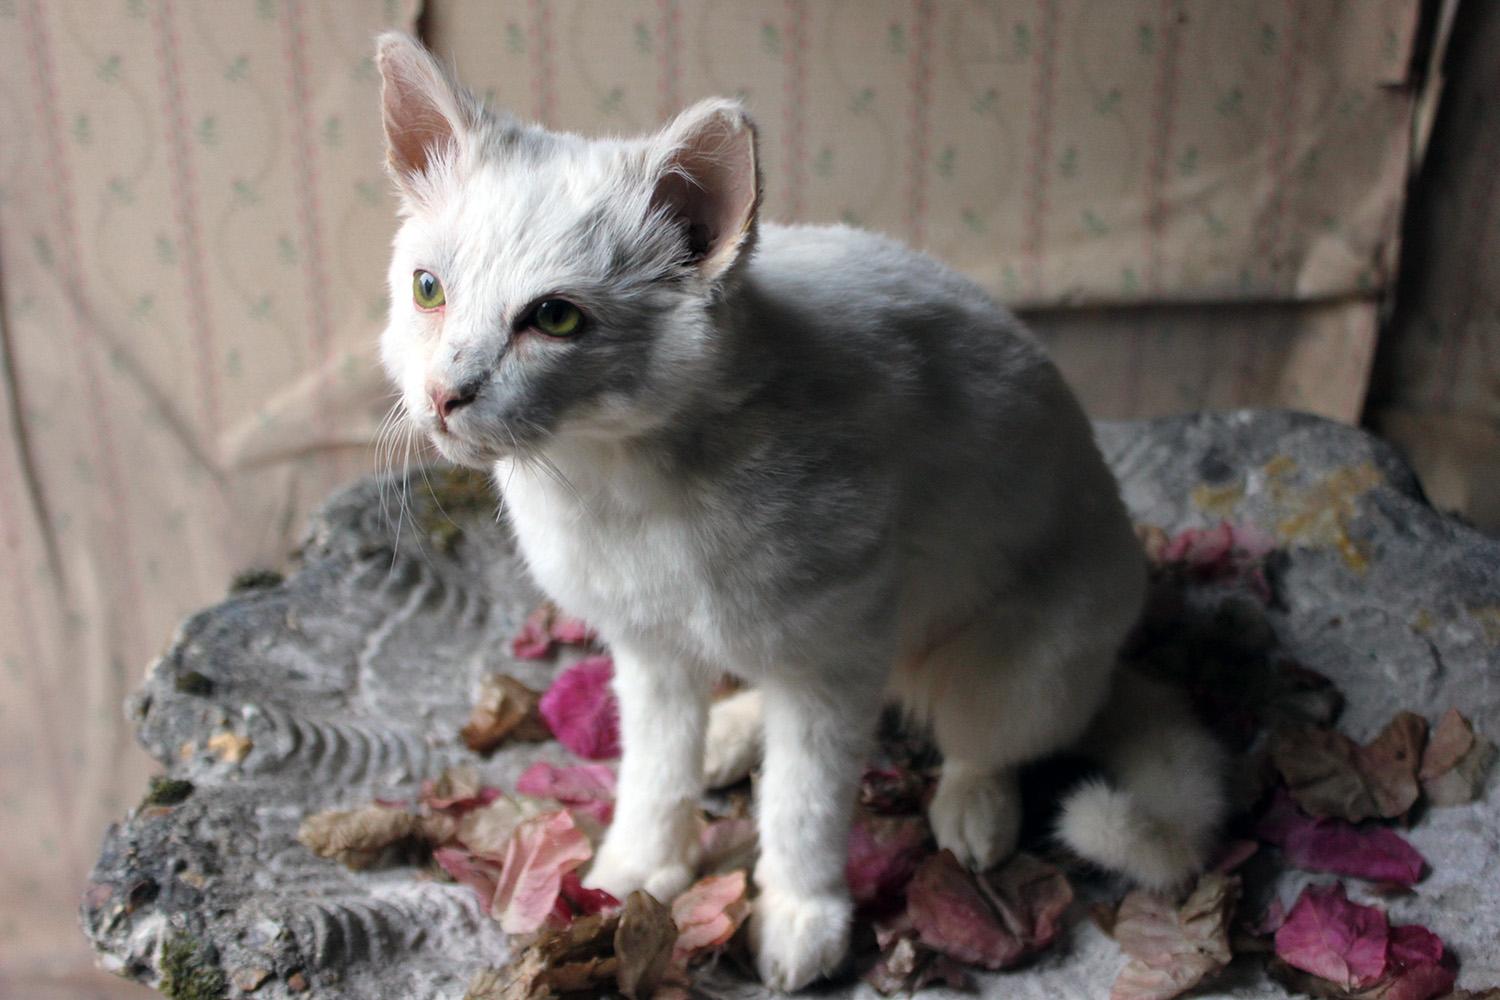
<point>621,872</point>
<point>797,938</point>
<point>976,816</point>
<point>732,746</point>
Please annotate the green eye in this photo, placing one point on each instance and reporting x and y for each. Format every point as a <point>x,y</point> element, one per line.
<point>557,317</point>
<point>426,290</point>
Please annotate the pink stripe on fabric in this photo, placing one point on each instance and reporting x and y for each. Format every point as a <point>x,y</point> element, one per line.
<point>669,62</point>
<point>794,113</point>
<point>185,206</point>
<point>1039,143</point>
<point>1163,119</point>
<point>309,207</point>
<point>921,123</point>
<point>112,502</point>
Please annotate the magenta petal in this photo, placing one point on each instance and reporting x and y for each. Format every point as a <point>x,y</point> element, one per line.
<point>581,711</point>
<point>1331,937</point>
<point>1334,845</point>
<point>573,785</point>
<point>884,853</point>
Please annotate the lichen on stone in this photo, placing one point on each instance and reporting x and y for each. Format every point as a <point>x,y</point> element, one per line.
<point>188,973</point>
<point>166,791</point>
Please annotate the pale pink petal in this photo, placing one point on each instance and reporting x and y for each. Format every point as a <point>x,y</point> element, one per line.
<point>537,856</point>
<point>1331,937</point>
<point>708,913</point>
<point>477,873</point>
<point>581,710</point>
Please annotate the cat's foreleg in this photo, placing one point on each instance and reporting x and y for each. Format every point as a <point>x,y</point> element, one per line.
<point>815,743</point>
<point>653,842</point>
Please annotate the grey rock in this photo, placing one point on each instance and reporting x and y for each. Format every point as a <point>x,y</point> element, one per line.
<point>351,679</point>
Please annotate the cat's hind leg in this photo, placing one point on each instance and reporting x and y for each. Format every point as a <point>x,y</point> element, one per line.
<point>735,738</point>
<point>997,695</point>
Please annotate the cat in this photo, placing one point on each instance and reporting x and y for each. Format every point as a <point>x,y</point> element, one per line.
<point>809,457</point>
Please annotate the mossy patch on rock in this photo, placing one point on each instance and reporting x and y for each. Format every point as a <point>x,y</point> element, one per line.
<point>188,972</point>
<point>167,791</point>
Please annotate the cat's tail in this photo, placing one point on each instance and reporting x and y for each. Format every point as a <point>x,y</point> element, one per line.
<point>1155,815</point>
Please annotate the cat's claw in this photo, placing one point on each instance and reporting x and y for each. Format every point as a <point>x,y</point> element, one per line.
<point>797,938</point>
<point>975,816</point>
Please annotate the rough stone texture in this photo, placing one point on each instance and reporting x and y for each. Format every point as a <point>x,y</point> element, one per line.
<point>351,680</point>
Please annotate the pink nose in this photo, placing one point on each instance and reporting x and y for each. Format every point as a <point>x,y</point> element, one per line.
<point>446,399</point>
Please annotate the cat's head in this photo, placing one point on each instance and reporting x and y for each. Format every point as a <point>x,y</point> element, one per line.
<point>544,285</point>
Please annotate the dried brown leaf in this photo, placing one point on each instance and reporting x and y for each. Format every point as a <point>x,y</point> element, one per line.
<point>1331,775</point>
<point>505,709</point>
<point>643,944</point>
<point>994,920</point>
<point>357,838</point>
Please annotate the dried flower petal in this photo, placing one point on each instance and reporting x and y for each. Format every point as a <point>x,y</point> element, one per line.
<point>581,709</point>
<point>1332,845</point>
<point>708,913</point>
<point>993,921</point>
<point>1174,948</point>
<point>480,874</point>
<point>1335,939</point>
<point>1330,775</point>
<point>884,852</point>
<point>545,629</point>
<point>1456,762</point>
<point>457,790</point>
<point>540,851</point>
<point>505,709</point>
<point>587,787</point>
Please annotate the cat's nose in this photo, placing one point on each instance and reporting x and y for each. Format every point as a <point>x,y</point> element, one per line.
<point>446,399</point>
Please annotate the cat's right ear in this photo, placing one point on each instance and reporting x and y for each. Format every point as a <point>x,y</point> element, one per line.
<point>427,114</point>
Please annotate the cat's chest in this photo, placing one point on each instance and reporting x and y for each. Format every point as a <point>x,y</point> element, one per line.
<point>618,559</point>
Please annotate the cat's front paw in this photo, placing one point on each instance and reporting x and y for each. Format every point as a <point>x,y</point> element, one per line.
<point>622,871</point>
<point>797,938</point>
<point>977,816</point>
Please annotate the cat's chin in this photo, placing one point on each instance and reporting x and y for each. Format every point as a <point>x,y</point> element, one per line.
<point>466,453</point>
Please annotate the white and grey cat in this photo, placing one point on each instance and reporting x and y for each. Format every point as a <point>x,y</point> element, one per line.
<point>806,456</point>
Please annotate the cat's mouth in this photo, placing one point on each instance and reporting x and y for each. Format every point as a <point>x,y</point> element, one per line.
<point>474,451</point>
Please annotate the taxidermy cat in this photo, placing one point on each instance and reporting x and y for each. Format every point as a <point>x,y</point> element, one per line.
<point>805,456</point>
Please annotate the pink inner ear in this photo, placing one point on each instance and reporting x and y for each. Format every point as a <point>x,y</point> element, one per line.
<point>419,106</point>
<point>711,187</point>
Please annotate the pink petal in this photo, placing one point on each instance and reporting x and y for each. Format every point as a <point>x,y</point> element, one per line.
<point>571,631</point>
<point>1334,845</point>
<point>708,913</point>
<point>581,902</point>
<point>475,872</point>
<point>539,853</point>
<point>1329,936</point>
<point>534,641</point>
<point>581,709</point>
<point>884,853</point>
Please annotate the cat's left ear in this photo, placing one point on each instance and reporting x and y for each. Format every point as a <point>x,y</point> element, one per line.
<point>710,182</point>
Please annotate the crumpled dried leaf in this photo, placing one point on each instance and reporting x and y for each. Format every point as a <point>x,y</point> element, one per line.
<point>581,710</point>
<point>1456,762</point>
<point>708,913</point>
<point>1174,948</point>
<point>545,629</point>
<point>1333,845</point>
<point>539,852</point>
<point>457,790</point>
<point>505,709</point>
<point>486,829</point>
<point>906,967</point>
<point>586,787</point>
<point>644,941</point>
<point>1335,939</point>
<point>573,959</point>
<point>1331,775</point>
<point>994,920</point>
<point>358,838</point>
<point>884,852</point>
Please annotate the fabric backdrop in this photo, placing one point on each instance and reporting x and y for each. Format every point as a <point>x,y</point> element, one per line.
<point>1198,202</point>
